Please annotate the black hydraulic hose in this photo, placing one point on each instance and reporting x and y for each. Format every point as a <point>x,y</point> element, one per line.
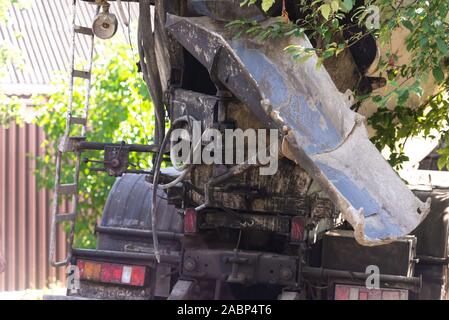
<point>156,173</point>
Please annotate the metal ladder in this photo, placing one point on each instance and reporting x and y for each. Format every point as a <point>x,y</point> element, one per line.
<point>68,143</point>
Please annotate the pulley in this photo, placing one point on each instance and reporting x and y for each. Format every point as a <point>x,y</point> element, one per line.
<point>105,24</point>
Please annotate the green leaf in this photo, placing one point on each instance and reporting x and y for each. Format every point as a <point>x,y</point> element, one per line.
<point>408,25</point>
<point>325,11</point>
<point>348,5</point>
<point>403,97</point>
<point>443,151</point>
<point>442,162</point>
<point>438,74</point>
<point>442,46</point>
<point>335,6</point>
<point>267,4</point>
<point>377,99</point>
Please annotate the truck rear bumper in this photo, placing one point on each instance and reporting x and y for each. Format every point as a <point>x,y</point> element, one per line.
<point>246,267</point>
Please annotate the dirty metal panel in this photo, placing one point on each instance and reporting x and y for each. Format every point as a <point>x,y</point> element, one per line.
<point>322,134</point>
<point>342,252</point>
<point>254,222</point>
<point>198,106</point>
<point>245,267</point>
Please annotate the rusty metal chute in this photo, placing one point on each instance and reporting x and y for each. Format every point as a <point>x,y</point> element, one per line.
<point>322,134</point>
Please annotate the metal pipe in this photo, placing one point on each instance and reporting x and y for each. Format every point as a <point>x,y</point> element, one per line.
<point>433,260</point>
<point>84,145</point>
<point>105,254</point>
<point>165,235</point>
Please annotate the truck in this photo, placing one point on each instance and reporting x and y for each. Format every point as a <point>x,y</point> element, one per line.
<point>274,190</point>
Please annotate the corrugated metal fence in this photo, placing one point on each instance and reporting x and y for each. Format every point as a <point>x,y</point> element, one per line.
<point>25,214</point>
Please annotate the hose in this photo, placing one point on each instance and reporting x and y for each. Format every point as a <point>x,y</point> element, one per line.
<point>156,174</point>
<point>150,70</point>
<point>177,180</point>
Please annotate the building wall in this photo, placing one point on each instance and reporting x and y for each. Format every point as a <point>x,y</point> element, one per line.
<point>25,213</point>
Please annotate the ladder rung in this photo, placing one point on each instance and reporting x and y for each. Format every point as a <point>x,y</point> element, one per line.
<point>68,144</point>
<point>78,120</point>
<point>81,74</point>
<point>67,189</point>
<point>65,217</point>
<point>84,30</point>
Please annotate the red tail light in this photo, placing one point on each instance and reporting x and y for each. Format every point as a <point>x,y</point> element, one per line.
<point>112,273</point>
<point>190,221</point>
<point>348,292</point>
<point>297,229</point>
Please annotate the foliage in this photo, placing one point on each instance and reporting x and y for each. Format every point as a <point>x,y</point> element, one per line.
<point>120,110</point>
<point>427,41</point>
<point>10,110</point>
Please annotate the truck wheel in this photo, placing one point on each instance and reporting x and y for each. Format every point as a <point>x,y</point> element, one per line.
<point>432,247</point>
<point>128,206</point>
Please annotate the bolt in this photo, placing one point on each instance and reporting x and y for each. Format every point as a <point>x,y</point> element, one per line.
<point>286,273</point>
<point>115,163</point>
<point>189,264</point>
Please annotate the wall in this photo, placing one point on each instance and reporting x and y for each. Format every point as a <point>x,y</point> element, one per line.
<point>25,214</point>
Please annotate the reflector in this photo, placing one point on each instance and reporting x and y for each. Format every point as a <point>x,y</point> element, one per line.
<point>297,229</point>
<point>126,275</point>
<point>111,273</point>
<point>190,221</point>
<point>91,271</point>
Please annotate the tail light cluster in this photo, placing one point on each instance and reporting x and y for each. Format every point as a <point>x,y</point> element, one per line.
<point>297,229</point>
<point>190,221</point>
<point>349,292</point>
<point>112,273</point>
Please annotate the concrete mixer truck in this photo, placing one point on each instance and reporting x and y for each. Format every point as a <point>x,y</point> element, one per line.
<point>273,188</point>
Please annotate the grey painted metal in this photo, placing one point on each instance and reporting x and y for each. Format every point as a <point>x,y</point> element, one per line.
<point>321,133</point>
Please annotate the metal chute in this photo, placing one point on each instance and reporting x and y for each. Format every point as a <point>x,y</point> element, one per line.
<point>322,134</point>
